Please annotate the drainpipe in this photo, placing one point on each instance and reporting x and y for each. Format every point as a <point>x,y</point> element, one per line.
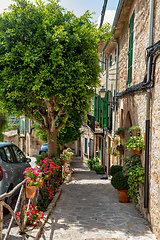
<point>114,127</point>
<point>147,128</point>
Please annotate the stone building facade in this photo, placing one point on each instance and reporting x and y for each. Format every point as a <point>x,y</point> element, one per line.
<point>124,84</point>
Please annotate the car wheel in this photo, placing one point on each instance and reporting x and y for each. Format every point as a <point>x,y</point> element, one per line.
<point>9,201</point>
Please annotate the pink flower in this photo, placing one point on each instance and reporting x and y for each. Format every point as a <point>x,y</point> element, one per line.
<point>38,179</point>
<point>35,223</point>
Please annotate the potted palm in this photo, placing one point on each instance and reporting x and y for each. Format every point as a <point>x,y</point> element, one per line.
<point>120,182</point>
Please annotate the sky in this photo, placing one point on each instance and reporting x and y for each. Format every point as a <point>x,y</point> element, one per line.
<point>80,6</point>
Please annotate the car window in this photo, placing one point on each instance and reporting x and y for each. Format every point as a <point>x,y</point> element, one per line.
<point>3,155</point>
<point>19,154</point>
<point>9,155</point>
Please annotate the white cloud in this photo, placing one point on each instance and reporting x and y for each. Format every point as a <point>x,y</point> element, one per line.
<point>108,18</point>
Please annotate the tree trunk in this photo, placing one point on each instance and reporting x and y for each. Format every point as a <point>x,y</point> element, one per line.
<point>52,142</point>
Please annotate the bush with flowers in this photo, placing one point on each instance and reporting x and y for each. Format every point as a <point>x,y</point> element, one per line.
<point>33,176</point>
<point>66,155</point>
<point>48,166</point>
<point>50,191</point>
<point>33,215</point>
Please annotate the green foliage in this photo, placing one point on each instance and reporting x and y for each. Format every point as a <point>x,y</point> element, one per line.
<point>99,169</point>
<point>119,181</point>
<point>40,132</point>
<point>135,143</point>
<point>49,63</point>
<point>135,129</point>
<point>130,161</point>
<point>120,147</point>
<point>135,179</point>
<point>120,131</point>
<point>112,151</point>
<point>133,169</point>
<point>115,168</point>
<point>92,163</point>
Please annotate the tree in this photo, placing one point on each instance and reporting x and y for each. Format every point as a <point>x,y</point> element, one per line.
<point>48,63</point>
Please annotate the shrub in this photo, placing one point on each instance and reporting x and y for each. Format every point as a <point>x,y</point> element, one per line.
<point>119,181</point>
<point>99,169</point>
<point>92,162</point>
<point>115,168</point>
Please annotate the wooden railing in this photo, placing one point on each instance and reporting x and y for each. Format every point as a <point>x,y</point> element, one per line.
<point>21,199</point>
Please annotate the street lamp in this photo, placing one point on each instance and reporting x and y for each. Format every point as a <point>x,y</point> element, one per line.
<point>102,93</point>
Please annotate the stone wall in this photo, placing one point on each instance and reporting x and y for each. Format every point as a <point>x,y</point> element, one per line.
<point>135,105</point>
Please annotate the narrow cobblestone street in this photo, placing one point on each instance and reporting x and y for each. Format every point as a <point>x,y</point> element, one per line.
<point>89,209</point>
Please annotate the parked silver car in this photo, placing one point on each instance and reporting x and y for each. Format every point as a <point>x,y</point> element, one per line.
<point>12,165</point>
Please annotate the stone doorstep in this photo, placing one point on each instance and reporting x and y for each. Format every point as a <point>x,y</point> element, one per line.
<point>34,233</point>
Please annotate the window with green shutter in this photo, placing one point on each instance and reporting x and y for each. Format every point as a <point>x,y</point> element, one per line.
<point>110,64</point>
<point>95,107</point>
<point>105,111</point>
<point>130,51</point>
<point>102,60</point>
<point>99,111</point>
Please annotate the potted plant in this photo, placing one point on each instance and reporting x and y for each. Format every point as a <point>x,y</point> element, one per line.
<point>135,143</point>
<point>132,168</point>
<point>96,124</point>
<point>113,151</point>
<point>33,179</point>
<point>120,148</point>
<point>66,156</point>
<point>134,130</point>
<point>120,132</point>
<point>114,169</point>
<point>33,215</point>
<point>115,140</point>
<point>120,182</point>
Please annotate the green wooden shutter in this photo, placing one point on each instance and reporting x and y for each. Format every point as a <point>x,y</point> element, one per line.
<point>130,51</point>
<point>27,124</point>
<point>102,59</point>
<point>99,110</point>
<point>95,106</point>
<point>23,127</point>
<point>105,111</point>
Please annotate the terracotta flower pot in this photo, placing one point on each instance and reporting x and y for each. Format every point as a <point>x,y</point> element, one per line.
<point>63,162</point>
<point>41,184</point>
<point>49,176</point>
<point>137,152</point>
<point>116,142</point>
<point>121,152</point>
<point>30,191</point>
<point>121,136</point>
<point>123,197</point>
<point>54,172</point>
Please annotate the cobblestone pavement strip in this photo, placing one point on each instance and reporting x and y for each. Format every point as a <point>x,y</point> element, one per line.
<point>89,209</point>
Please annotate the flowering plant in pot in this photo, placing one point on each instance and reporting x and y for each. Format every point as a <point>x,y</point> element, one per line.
<point>32,176</point>
<point>33,215</point>
<point>49,166</point>
<point>66,156</point>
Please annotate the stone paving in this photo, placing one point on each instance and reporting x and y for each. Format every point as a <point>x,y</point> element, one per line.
<point>89,209</point>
